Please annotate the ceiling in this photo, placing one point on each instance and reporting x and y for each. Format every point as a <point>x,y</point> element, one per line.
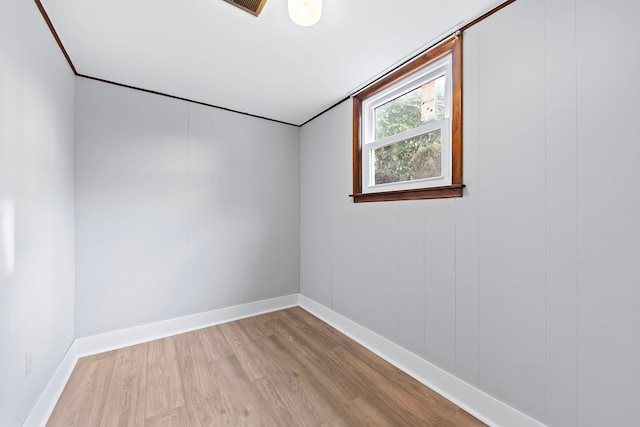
<point>212,52</point>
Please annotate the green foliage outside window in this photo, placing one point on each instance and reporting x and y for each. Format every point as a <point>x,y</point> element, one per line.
<point>414,158</point>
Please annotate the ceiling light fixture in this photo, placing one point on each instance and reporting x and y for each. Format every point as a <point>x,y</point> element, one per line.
<point>305,12</point>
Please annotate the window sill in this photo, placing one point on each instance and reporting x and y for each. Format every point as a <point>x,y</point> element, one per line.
<point>445,192</point>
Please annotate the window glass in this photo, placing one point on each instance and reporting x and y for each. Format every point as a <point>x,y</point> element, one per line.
<point>422,105</point>
<point>412,159</point>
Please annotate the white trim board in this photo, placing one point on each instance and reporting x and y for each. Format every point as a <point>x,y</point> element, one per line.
<point>108,341</point>
<point>43,408</point>
<point>100,343</point>
<point>486,408</point>
<point>483,406</point>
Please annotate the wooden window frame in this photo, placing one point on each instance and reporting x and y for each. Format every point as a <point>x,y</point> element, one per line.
<point>451,46</point>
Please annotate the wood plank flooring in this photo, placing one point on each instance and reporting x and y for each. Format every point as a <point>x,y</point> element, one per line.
<point>285,368</point>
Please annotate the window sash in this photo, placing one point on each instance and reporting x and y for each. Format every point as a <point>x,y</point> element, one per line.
<point>411,133</point>
<point>441,67</point>
<point>368,158</point>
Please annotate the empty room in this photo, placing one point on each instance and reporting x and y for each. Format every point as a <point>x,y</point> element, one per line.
<point>319,212</point>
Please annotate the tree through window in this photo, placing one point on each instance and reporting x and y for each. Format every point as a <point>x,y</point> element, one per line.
<point>407,130</point>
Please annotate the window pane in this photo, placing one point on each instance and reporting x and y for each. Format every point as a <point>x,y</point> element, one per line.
<point>422,105</point>
<point>408,160</point>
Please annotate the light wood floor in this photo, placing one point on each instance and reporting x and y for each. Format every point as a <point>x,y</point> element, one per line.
<point>285,368</point>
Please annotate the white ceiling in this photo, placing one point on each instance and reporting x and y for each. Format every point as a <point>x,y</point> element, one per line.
<point>212,52</point>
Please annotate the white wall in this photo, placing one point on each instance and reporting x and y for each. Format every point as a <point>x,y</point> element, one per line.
<point>608,211</point>
<point>527,286</point>
<point>180,208</point>
<point>36,207</point>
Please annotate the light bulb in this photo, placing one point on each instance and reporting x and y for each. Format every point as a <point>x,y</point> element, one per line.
<point>305,12</point>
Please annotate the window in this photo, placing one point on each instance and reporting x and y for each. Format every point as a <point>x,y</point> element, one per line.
<point>407,133</point>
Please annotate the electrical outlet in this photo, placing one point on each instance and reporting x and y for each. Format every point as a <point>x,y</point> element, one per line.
<point>28,362</point>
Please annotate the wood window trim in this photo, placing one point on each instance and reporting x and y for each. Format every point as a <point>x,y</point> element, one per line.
<point>453,46</point>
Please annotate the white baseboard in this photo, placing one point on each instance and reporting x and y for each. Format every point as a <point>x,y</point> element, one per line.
<point>100,343</point>
<point>483,406</point>
<point>94,344</point>
<point>478,403</point>
<point>43,408</point>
